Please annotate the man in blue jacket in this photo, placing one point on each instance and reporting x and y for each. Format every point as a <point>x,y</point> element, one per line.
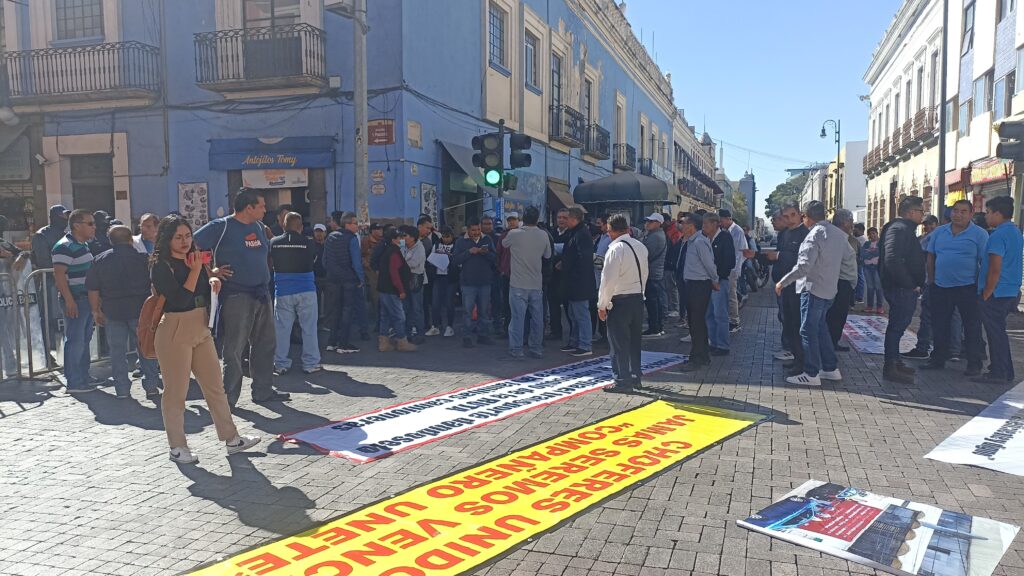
<point>345,280</point>
<point>475,254</point>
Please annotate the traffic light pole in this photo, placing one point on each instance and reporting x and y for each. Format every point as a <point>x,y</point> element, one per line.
<point>941,110</point>
<point>501,138</point>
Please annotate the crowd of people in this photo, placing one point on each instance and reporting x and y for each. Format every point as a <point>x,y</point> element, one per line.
<point>241,293</point>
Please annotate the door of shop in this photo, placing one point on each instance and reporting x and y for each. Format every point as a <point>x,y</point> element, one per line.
<point>92,182</point>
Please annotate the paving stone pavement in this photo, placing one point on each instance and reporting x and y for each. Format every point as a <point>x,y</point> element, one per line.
<point>86,487</point>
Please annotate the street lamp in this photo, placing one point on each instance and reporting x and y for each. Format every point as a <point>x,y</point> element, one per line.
<point>837,128</point>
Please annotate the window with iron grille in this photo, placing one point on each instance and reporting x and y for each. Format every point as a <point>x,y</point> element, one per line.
<point>77,19</point>
<point>260,13</point>
<point>496,35</point>
<point>556,80</point>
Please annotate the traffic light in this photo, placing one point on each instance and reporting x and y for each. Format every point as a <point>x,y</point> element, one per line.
<point>490,155</point>
<point>511,181</point>
<point>1011,134</point>
<point>519,157</point>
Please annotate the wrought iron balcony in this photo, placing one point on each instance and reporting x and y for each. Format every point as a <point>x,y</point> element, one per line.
<point>568,126</point>
<point>100,72</point>
<point>260,58</point>
<point>624,157</point>
<point>648,167</point>
<point>598,144</point>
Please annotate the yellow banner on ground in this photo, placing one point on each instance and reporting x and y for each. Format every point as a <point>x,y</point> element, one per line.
<point>455,524</point>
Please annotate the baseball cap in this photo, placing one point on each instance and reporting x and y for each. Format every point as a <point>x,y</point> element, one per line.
<point>319,227</point>
<point>723,213</point>
<point>511,215</point>
<point>655,217</point>
<point>59,210</point>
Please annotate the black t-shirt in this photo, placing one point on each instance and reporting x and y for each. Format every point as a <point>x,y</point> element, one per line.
<point>789,250</point>
<point>169,279</point>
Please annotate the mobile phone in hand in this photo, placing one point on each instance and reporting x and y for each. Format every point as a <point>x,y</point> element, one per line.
<point>207,257</point>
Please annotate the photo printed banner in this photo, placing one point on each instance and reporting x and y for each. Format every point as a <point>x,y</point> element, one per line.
<point>867,334</point>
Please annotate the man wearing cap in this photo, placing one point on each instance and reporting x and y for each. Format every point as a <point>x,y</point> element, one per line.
<point>505,269</point>
<point>100,243</point>
<point>654,292</point>
<point>42,242</point>
<point>739,243</point>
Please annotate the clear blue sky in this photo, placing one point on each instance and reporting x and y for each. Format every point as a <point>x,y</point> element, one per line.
<point>765,75</point>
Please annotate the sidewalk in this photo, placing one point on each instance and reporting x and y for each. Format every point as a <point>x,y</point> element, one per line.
<point>86,487</point>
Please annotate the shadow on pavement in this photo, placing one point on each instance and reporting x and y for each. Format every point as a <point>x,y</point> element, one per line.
<point>146,415</point>
<point>24,392</point>
<point>248,493</point>
<point>327,381</point>
<point>654,392</point>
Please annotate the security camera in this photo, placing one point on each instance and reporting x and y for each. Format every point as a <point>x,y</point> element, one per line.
<point>42,160</point>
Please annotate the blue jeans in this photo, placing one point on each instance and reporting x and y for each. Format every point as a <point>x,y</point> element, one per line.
<point>581,331</point>
<point>993,317</point>
<point>924,332</point>
<point>902,303</point>
<point>858,291</point>
<point>478,297</point>
<point>717,317</point>
<point>287,309</point>
<point>347,299</point>
<point>77,336</point>
<point>526,302</point>
<point>413,307</point>
<point>392,316</point>
<point>819,353</point>
<point>872,287</point>
<point>443,305</point>
<point>118,335</point>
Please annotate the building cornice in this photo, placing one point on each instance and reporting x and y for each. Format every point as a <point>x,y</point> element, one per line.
<point>902,23</point>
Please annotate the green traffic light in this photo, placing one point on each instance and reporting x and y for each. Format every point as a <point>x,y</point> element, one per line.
<point>492,177</point>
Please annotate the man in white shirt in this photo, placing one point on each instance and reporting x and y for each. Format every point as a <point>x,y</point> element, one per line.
<point>620,303</point>
<point>817,279</point>
<point>739,243</point>
<point>148,225</point>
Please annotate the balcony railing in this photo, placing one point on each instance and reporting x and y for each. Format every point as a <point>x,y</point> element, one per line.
<point>568,126</point>
<point>908,135</point>
<point>258,58</point>
<point>648,167</point>
<point>624,157</point>
<point>925,123</point>
<point>598,144</point>
<point>118,70</point>
<point>886,149</point>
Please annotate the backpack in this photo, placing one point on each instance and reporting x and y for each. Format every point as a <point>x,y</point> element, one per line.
<point>149,320</point>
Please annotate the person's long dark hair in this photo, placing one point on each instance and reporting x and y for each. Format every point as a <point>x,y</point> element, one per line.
<point>164,234</point>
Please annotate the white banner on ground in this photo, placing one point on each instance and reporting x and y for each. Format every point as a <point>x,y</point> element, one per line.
<point>992,439</point>
<point>867,334</point>
<point>384,432</point>
<point>891,534</point>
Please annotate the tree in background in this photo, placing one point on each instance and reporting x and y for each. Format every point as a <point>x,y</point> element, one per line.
<point>740,211</point>
<point>788,191</point>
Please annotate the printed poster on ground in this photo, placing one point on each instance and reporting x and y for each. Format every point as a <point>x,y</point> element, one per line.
<point>992,439</point>
<point>458,523</point>
<point>867,334</point>
<point>384,432</point>
<point>890,534</point>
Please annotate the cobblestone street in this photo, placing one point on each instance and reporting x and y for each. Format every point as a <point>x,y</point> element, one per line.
<point>86,487</point>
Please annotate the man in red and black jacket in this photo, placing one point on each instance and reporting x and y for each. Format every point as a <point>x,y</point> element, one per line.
<point>393,286</point>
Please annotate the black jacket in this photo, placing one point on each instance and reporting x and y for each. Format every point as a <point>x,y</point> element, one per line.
<point>901,261</point>
<point>577,271</point>
<point>725,253</point>
<point>789,250</point>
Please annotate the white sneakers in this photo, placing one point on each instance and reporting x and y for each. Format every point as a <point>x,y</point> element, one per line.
<point>784,355</point>
<point>432,332</point>
<point>241,443</point>
<point>804,380</point>
<point>183,456</point>
<point>237,444</point>
<point>449,332</point>
<point>833,375</point>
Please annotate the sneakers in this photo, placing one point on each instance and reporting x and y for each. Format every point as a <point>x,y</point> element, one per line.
<point>313,369</point>
<point>432,332</point>
<point>580,352</point>
<point>916,354</point>
<point>449,332</point>
<point>537,355</point>
<point>280,371</point>
<point>331,348</point>
<point>832,375</point>
<point>804,380</point>
<point>784,355</point>
<point>241,443</point>
<point>734,328</point>
<point>183,456</point>
<point>81,389</point>
<point>567,348</point>
<point>686,339</point>
<point>652,333</point>
<point>346,348</point>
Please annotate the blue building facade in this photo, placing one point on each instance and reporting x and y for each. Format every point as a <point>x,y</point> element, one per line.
<point>139,106</point>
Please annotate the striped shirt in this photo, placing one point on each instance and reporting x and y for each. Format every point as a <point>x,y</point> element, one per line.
<point>77,258</point>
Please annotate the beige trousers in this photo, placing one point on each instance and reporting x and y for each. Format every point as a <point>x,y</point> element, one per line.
<point>184,346</point>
